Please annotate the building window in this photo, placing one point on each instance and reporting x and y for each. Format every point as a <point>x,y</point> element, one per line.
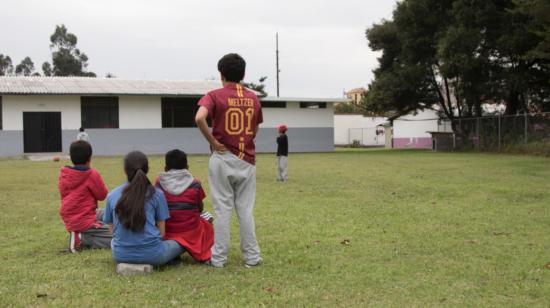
<point>179,112</point>
<point>313,105</point>
<point>99,112</point>
<point>273,104</point>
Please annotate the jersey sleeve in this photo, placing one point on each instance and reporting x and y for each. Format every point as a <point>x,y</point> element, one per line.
<point>208,102</point>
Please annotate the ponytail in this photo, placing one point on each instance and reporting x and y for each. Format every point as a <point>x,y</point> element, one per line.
<point>130,208</point>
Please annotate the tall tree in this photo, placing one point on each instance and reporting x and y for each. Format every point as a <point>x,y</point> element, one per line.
<point>258,87</point>
<point>6,68</point>
<point>25,68</point>
<point>460,54</point>
<point>47,69</point>
<point>67,59</point>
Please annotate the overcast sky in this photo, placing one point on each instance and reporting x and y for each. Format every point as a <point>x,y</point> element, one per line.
<point>322,43</point>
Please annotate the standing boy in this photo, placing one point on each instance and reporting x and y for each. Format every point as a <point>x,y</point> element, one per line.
<point>235,113</point>
<point>282,154</point>
<point>82,135</point>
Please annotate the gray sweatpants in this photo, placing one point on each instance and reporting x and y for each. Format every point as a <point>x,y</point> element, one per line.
<point>282,165</point>
<point>97,236</point>
<point>233,186</point>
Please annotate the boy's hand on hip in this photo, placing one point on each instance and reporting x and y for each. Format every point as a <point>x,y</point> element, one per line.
<point>218,147</point>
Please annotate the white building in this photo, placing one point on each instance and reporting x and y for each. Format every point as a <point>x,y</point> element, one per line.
<point>355,127</point>
<point>43,114</point>
<point>411,131</point>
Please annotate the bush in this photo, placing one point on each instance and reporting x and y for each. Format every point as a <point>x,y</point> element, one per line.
<point>356,144</point>
<point>540,148</point>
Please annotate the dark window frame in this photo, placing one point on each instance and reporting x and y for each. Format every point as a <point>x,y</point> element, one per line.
<point>313,105</point>
<point>272,104</point>
<point>179,112</point>
<point>100,112</point>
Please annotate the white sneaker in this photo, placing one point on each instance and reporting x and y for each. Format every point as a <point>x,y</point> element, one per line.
<point>250,265</point>
<point>209,263</point>
<point>74,242</point>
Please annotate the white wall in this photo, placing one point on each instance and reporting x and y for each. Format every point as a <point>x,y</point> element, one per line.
<point>294,116</point>
<point>349,127</point>
<point>14,106</point>
<point>139,112</point>
<point>144,112</point>
<point>415,126</point>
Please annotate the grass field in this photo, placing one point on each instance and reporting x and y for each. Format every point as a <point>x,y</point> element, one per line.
<point>351,228</point>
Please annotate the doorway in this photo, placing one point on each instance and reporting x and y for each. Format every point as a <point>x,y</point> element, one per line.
<point>42,132</point>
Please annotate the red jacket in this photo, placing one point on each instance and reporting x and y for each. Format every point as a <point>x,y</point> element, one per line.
<point>80,190</point>
<point>184,194</point>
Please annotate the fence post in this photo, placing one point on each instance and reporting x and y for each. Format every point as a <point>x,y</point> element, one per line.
<point>499,132</point>
<point>349,136</point>
<point>526,117</point>
<point>363,136</point>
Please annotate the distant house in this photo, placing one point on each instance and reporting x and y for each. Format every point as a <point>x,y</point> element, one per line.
<point>412,130</point>
<point>356,95</point>
<point>356,127</point>
<point>43,114</point>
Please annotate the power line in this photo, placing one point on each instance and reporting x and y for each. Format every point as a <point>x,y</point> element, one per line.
<point>277,59</point>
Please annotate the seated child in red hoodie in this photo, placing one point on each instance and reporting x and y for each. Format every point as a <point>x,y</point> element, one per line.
<point>187,225</point>
<point>81,187</point>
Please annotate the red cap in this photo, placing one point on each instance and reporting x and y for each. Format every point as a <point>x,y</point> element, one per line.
<point>282,128</point>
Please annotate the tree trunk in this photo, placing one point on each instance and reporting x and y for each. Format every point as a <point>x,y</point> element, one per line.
<point>513,104</point>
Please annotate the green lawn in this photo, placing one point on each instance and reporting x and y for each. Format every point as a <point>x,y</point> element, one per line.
<point>380,228</point>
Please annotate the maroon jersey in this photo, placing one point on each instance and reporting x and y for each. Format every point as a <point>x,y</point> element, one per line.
<point>235,113</point>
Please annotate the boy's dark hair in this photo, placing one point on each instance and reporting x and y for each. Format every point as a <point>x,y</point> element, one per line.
<point>175,159</point>
<point>81,152</point>
<point>81,129</point>
<point>232,67</point>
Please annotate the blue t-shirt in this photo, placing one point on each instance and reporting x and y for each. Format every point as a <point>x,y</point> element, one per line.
<point>137,247</point>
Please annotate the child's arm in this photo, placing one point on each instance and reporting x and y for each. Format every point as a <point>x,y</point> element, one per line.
<point>200,119</point>
<point>98,189</point>
<point>162,227</point>
<point>108,215</point>
<point>161,213</point>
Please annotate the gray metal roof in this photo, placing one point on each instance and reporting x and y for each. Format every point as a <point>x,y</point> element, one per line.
<point>102,86</point>
<point>305,99</point>
<point>115,86</point>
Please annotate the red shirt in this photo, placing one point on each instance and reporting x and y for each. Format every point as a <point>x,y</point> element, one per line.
<point>236,113</point>
<point>80,190</point>
<point>184,219</point>
<point>185,226</point>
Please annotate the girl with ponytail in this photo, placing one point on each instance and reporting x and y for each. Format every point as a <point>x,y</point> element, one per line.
<point>136,213</point>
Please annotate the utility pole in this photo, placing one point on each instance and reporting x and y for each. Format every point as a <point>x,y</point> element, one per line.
<point>277,60</point>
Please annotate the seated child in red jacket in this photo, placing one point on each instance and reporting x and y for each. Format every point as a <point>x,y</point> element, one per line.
<point>81,187</point>
<point>187,225</point>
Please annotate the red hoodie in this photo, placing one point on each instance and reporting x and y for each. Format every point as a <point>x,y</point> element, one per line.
<point>80,190</point>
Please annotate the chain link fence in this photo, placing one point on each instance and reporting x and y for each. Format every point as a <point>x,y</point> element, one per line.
<point>502,132</point>
<point>366,137</point>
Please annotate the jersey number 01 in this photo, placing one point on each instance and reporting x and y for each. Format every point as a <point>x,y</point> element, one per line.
<point>237,121</point>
